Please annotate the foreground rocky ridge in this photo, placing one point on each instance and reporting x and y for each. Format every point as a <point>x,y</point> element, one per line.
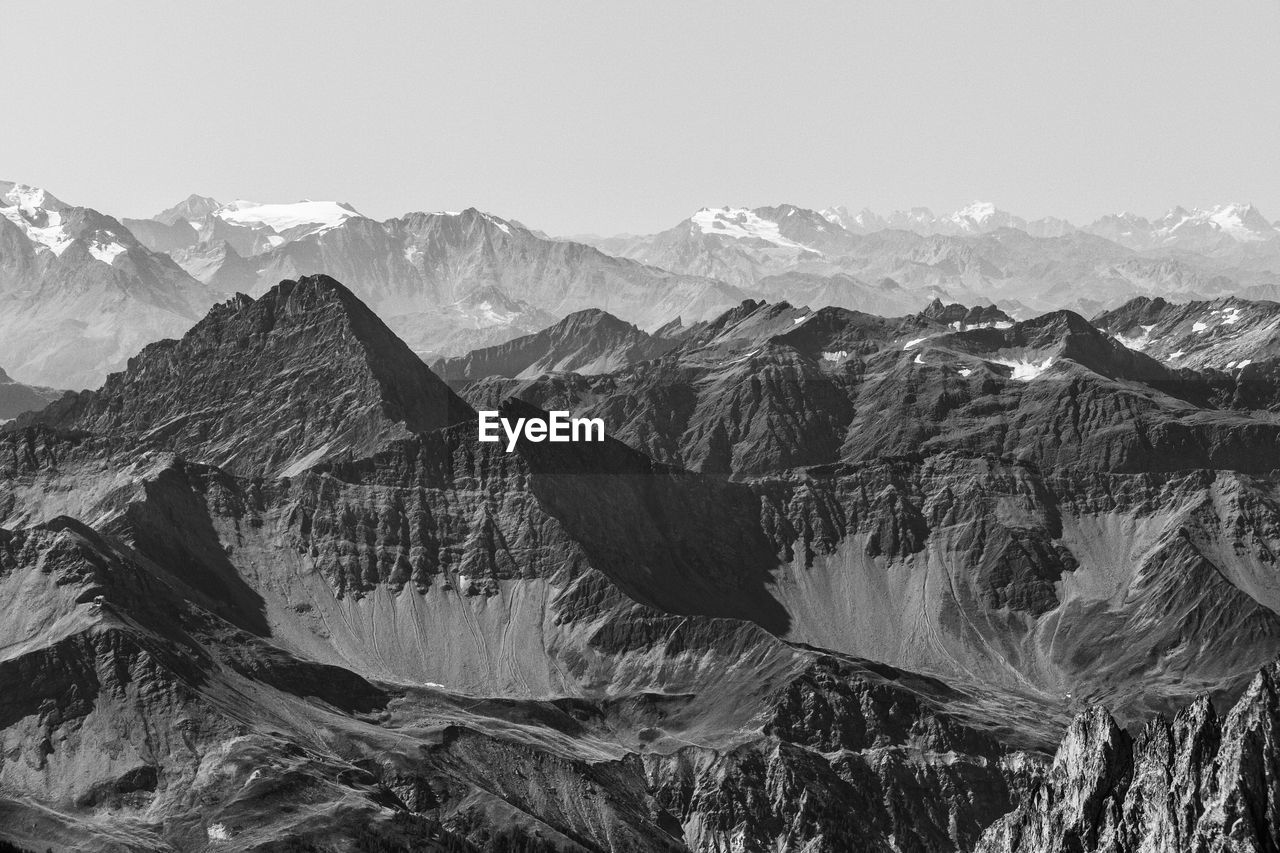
<point>1198,782</point>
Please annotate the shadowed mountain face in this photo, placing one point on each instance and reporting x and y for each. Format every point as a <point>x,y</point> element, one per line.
<point>585,342</point>
<point>1026,504</point>
<point>768,387</point>
<point>16,398</point>
<point>834,582</point>
<point>340,383</point>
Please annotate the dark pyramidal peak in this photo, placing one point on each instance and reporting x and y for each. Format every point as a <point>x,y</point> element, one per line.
<point>269,386</point>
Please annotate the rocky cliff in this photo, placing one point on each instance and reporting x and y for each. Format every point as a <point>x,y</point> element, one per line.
<point>1196,782</point>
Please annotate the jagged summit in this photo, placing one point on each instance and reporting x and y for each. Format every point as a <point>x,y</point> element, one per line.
<point>79,293</point>
<point>192,209</point>
<point>1200,781</point>
<point>1228,334</point>
<point>272,385</point>
<point>1031,348</point>
<point>963,317</point>
<point>587,342</point>
<point>29,198</point>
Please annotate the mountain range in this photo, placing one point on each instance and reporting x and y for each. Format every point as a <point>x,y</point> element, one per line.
<point>946,580</point>
<point>978,254</point>
<point>908,532</point>
<point>1196,229</point>
<point>82,290</point>
<point>79,293</point>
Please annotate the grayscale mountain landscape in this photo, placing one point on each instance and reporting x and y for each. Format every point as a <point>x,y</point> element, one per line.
<point>545,427</point>
<point>910,532</point>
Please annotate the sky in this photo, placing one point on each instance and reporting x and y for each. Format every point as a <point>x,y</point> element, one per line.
<point>604,117</point>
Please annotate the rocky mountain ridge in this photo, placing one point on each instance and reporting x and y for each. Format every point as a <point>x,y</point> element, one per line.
<point>342,384</point>
<point>585,342</point>
<point>1199,781</point>
<point>451,282</point>
<point>79,293</point>
<point>835,581</point>
<point>423,639</point>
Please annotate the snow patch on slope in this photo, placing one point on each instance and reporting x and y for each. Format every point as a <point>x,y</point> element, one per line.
<point>282,217</point>
<point>38,215</point>
<point>42,227</point>
<point>106,252</point>
<point>1137,342</point>
<point>739,223</point>
<point>1024,370</point>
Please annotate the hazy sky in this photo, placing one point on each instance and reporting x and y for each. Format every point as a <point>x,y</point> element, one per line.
<point>609,117</point>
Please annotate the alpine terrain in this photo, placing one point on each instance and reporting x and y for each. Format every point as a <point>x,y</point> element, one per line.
<point>907,533</point>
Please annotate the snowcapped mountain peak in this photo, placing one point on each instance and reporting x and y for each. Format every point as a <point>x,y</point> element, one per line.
<point>317,215</point>
<point>978,211</point>
<point>740,223</point>
<point>1239,221</point>
<point>472,214</point>
<point>864,221</point>
<point>834,215</point>
<point>496,221</point>
<point>37,213</point>
<point>1242,221</point>
<point>982,216</point>
<point>28,198</point>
